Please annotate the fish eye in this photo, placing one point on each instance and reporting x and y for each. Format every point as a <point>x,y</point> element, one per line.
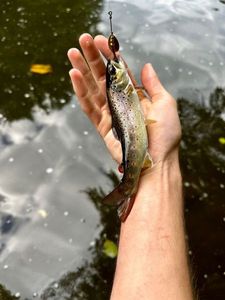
<point>112,70</point>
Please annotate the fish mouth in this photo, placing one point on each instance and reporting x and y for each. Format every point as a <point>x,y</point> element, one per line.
<point>116,71</point>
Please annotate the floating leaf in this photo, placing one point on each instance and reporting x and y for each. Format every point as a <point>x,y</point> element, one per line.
<point>41,69</point>
<point>222,140</point>
<point>110,249</point>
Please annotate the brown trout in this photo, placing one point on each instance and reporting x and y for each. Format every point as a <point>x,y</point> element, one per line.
<point>129,124</point>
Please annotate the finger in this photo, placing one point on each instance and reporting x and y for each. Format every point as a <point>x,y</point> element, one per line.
<point>152,83</point>
<point>101,43</point>
<point>81,91</point>
<point>78,62</point>
<point>93,57</point>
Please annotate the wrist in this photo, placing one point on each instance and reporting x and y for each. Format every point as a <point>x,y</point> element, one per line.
<point>158,186</point>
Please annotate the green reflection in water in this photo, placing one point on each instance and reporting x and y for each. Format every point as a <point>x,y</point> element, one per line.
<point>39,32</point>
<point>6,295</point>
<point>94,279</point>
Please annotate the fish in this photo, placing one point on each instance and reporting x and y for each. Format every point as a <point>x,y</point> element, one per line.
<point>129,126</point>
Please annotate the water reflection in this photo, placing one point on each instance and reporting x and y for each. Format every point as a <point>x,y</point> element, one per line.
<point>50,156</point>
<point>39,32</point>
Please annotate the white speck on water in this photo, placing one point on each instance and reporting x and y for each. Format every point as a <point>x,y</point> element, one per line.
<point>187,184</point>
<point>167,68</point>
<point>210,63</point>
<point>43,213</point>
<point>27,95</point>
<point>204,195</point>
<point>20,9</point>
<point>73,105</point>
<point>206,34</point>
<point>30,259</point>
<point>56,285</point>
<point>49,170</point>
<point>40,150</point>
<point>60,259</point>
<point>5,267</point>
<point>62,101</point>
<point>3,39</point>
<point>11,159</point>
<point>80,147</point>
<point>82,220</point>
<point>55,33</point>
<point>180,70</point>
<point>222,186</point>
<point>28,210</point>
<point>146,25</point>
<point>66,213</point>
<point>35,294</point>
<point>1,116</point>
<point>70,241</point>
<point>45,224</point>
<point>221,63</point>
<point>26,52</point>
<point>85,132</point>
<point>68,9</point>
<point>92,244</point>
<point>189,73</point>
<point>205,276</point>
<point>9,221</point>
<point>17,295</point>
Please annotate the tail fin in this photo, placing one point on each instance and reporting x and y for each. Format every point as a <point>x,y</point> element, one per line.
<point>125,208</point>
<point>125,203</point>
<point>116,197</point>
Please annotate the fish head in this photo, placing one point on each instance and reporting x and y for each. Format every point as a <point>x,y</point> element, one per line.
<point>116,74</point>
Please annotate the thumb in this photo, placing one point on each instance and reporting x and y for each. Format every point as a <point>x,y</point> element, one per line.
<point>152,83</point>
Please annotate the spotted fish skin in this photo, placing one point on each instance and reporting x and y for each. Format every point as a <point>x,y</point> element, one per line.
<point>128,122</point>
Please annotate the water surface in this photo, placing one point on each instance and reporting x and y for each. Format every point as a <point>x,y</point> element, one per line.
<point>54,165</point>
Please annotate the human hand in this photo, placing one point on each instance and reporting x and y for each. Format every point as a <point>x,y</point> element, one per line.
<point>88,79</point>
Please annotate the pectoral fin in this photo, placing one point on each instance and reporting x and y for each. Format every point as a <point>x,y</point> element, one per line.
<point>148,162</point>
<point>140,92</point>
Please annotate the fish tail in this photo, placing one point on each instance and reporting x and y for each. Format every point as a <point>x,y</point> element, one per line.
<point>125,208</point>
<point>116,197</point>
<point>124,202</point>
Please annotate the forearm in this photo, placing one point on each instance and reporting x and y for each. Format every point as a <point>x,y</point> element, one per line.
<point>152,260</point>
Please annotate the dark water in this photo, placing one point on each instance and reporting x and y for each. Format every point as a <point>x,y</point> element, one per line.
<point>54,167</point>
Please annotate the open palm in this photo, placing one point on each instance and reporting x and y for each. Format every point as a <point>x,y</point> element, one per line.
<point>88,79</point>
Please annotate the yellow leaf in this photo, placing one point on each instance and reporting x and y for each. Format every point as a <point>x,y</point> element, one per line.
<point>110,249</point>
<point>222,140</point>
<point>41,69</point>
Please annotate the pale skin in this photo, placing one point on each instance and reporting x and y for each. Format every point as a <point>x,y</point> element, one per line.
<point>152,259</point>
